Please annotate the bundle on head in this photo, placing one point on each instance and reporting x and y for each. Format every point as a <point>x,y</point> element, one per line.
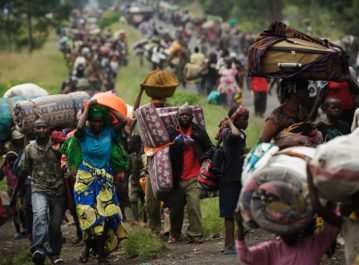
<point>160,84</point>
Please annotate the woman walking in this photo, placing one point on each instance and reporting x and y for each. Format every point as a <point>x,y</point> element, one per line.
<point>94,192</point>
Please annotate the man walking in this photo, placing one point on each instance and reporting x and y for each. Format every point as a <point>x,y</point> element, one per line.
<point>190,143</point>
<point>42,162</point>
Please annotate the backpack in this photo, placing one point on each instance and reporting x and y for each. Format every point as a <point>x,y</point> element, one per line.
<point>211,168</point>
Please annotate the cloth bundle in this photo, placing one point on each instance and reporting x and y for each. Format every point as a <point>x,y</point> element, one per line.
<point>154,134</point>
<point>58,110</point>
<point>168,116</point>
<point>27,90</point>
<point>275,196</point>
<point>335,167</point>
<point>6,105</point>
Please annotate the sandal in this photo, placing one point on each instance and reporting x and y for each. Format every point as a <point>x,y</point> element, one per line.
<point>172,240</point>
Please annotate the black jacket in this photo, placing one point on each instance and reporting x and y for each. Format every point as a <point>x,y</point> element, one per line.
<point>202,144</point>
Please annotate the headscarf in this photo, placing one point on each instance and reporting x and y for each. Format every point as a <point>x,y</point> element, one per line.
<point>100,111</point>
<point>240,110</point>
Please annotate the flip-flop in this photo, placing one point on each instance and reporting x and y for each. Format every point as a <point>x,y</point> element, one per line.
<point>230,251</point>
<point>172,240</point>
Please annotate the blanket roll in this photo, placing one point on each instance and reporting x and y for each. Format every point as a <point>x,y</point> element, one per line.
<point>154,134</point>
<point>335,167</point>
<point>275,197</point>
<point>58,110</point>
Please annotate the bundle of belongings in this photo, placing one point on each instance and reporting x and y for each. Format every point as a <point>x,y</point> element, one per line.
<point>335,168</point>
<point>275,195</point>
<point>153,124</point>
<point>59,110</point>
<point>283,52</point>
<point>6,122</point>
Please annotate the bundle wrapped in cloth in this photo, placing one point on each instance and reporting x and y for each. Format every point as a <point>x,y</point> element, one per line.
<point>275,196</point>
<point>6,105</point>
<point>58,110</point>
<point>335,167</point>
<point>155,138</point>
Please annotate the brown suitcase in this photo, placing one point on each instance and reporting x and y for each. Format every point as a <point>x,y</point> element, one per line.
<point>282,52</point>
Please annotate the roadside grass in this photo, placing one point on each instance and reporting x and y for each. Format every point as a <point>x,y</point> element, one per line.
<point>45,67</point>
<point>142,243</point>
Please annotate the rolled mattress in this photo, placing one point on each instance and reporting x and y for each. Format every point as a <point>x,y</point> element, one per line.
<point>58,110</point>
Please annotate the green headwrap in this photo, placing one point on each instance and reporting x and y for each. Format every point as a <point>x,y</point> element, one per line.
<point>97,111</point>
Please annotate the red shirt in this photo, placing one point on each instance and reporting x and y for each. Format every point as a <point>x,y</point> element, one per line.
<point>341,91</point>
<point>191,165</point>
<point>259,84</point>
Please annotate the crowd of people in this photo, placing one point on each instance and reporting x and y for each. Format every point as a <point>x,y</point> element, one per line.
<point>98,169</point>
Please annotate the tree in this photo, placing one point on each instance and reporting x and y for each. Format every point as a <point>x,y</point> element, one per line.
<point>32,18</point>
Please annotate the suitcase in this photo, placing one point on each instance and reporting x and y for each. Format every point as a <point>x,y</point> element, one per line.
<point>282,52</point>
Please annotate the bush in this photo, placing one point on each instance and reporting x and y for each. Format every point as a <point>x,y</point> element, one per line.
<point>109,18</point>
<point>141,243</point>
<point>212,224</point>
<point>183,96</point>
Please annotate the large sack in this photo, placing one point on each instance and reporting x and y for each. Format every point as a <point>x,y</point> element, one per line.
<point>58,110</point>
<point>283,52</point>
<point>335,167</point>
<point>27,90</point>
<point>275,197</point>
<point>6,105</point>
<point>154,134</point>
<point>169,116</point>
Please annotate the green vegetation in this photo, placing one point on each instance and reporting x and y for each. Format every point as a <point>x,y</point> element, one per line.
<point>141,242</point>
<point>109,18</point>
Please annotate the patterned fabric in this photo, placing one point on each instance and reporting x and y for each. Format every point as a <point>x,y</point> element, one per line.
<point>152,130</point>
<point>332,66</point>
<point>154,134</point>
<point>58,110</point>
<point>275,197</point>
<point>160,170</point>
<point>227,81</point>
<point>43,164</point>
<point>283,120</point>
<point>97,205</point>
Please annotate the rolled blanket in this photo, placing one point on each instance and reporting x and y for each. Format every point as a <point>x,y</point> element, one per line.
<point>154,134</point>
<point>335,167</point>
<point>58,110</point>
<point>275,197</point>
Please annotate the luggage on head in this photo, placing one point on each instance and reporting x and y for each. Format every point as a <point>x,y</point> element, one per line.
<point>283,52</point>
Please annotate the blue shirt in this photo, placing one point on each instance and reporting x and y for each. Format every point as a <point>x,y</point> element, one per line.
<point>96,150</point>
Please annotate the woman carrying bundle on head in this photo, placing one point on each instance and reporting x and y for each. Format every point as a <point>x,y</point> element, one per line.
<point>94,192</point>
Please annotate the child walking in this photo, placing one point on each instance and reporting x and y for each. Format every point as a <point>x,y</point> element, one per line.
<point>234,145</point>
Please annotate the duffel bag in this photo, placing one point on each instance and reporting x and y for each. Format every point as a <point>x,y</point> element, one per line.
<point>283,52</point>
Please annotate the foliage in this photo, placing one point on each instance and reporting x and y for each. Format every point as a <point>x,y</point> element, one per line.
<point>141,242</point>
<point>28,22</point>
<point>109,18</point>
<point>212,222</point>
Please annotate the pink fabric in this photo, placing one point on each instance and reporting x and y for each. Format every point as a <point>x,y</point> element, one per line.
<point>307,251</point>
<point>227,82</point>
<point>11,178</point>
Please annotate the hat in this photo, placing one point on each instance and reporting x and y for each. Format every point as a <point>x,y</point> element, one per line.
<point>16,135</point>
